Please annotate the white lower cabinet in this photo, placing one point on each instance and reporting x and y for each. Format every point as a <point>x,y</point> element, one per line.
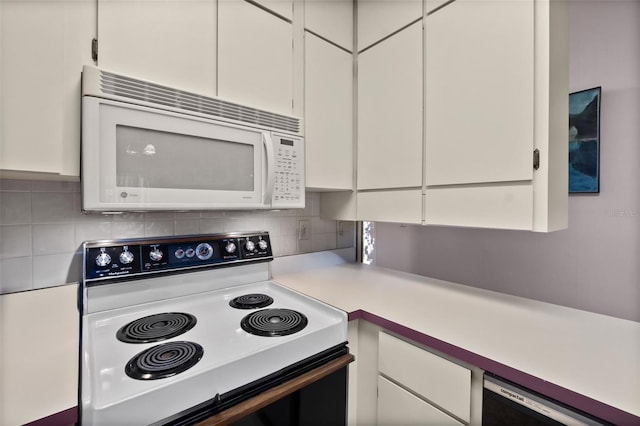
<point>400,382</point>
<point>441,382</point>
<point>397,406</point>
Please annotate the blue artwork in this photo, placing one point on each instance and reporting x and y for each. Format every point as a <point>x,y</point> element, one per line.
<point>584,141</point>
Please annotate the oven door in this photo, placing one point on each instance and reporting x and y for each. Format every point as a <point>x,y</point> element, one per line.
<point>139,158</point>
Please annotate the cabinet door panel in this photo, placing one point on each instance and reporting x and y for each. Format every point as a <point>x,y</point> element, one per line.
<point>378,19</point>
<point>281,7</point>
<point>255,57</point>
<point>170,42</point>
<point>332,19</point>
<point>505,206</point>
<point>479,92</point>
<point>396,406</point>
<point>44,45</point>
<point>434,378</point>
<point>390,112</point>
<point>328,115</point>
<point>390,206</point>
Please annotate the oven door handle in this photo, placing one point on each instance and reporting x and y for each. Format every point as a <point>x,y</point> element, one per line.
<point>270,169</point>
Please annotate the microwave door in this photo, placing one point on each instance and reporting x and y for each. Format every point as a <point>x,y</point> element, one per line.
<point>145,159</point>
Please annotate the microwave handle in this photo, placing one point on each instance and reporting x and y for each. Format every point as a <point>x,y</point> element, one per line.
<point>270,165</point>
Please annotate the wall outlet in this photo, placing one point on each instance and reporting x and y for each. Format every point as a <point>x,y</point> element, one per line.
<point>304,229</point>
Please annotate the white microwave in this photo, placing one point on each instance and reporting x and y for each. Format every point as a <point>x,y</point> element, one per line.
<point>147,147</point>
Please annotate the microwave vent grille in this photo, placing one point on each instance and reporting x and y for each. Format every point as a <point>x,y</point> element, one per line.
<point>140,90</point>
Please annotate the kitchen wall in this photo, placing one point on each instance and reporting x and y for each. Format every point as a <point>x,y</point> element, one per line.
<point>42,228</point>
<point>595,264</point>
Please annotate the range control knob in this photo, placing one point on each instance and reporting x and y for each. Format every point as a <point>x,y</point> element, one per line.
<point>156,254</point>
<point>179,253</point>
<point>103,259</point>
<point>230,247</point>
<point>262,245</point>
<point>204,251</point>
<point>250,245</point>
<point>126,257</point>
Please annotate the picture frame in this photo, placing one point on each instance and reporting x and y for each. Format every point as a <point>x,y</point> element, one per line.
<point>584,141</point>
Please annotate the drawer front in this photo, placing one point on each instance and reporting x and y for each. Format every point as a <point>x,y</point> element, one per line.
<point>396,406</point>
<point>442,382</point>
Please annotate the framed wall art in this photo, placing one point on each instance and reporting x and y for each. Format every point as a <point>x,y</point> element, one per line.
<point>584,141</point>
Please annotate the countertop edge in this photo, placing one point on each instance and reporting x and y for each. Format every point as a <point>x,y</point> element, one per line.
<point>559,393</point>
<point>63,418</point>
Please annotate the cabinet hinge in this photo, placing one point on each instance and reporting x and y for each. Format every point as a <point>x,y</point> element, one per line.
<point>536,159</point>
<point>94,50</point>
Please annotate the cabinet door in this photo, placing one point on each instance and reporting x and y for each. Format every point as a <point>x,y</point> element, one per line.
<point>328,115</point>
<point>390,112</point>
<point>331,19</point>
<point>281,7</point>
<point>255,57</point>
<point>479,93</point>
<point>170,42</point>
<point>44,45</point>
<point>378,19</point>
<point>397,406</point>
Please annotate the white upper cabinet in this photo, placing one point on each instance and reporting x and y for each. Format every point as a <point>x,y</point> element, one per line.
<point>496,80</point>
<point>479,92</point>
<point>390,112</point>
<point>281,7</point>
<point>170,42</point>
<point>255,57</point>
<point>44,46</point>
<point>331,19</point>
<point>328,115</point>
<point>378,19</point>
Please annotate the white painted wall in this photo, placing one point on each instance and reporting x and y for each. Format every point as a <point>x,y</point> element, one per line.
<point>595,264</point>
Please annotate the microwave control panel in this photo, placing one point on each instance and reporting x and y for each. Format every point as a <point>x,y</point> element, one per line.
<point>288,191</point>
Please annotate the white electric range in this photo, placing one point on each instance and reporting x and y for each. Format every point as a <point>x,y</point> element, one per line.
<point>178,328</point>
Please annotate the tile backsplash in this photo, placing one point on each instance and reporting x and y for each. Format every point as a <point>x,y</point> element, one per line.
<point>42,229</point>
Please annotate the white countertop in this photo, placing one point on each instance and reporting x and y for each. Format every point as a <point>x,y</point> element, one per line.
<point>590,354</point>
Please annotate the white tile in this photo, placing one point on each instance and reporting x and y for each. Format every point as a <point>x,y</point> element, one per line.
<point>211,226</point>
<point>346,238</point>
<point>305,246</point>
<point>55,186</point>
<point>128,217</point>
<point>52,239</point>
<point>153,216</point>
<point>315,204</point>
<point>15,274</point>
<point>212,214</point>
<point>158,228</point>
<point>276,246</point>
<point>15,241</point>
<point>91,231</point>
<point>233,224</point>
<point>52,207</point>
<point>15,208</point>
<point>330,225</point>
<point>272,226</point>
<point>56,269</point>
<point>127,230</point>
<point>187,215</point>
<point>289,226</point>
<point>187,227</point>
<point>289,246</point>
<point>317,226</point>
<point>15,185</point>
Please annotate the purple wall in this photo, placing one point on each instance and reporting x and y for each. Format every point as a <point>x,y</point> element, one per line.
<point>594,265</point>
